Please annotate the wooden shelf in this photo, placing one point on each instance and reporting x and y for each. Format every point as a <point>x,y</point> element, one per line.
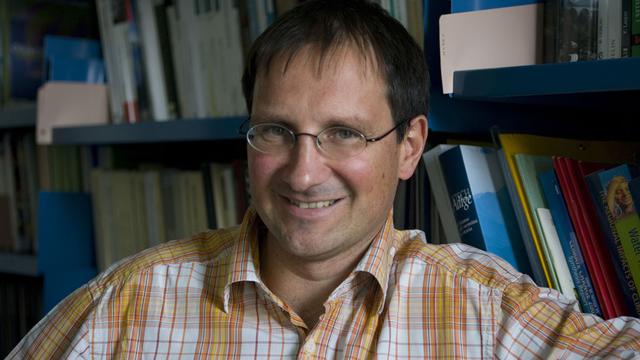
<point>151,132</point>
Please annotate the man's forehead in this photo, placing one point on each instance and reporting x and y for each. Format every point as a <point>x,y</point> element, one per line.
<point>323,61</point>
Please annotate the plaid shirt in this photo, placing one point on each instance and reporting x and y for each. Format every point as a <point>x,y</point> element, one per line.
<point>203,298</point>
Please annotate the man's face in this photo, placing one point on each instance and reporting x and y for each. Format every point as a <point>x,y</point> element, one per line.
<point>623,195</point>
<point>291,191</point>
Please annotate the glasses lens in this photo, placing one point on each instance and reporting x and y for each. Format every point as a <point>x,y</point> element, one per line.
<point>270,138</point>
<point>341,142</point>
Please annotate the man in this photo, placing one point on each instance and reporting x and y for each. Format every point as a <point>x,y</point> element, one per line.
<point>337,93</point>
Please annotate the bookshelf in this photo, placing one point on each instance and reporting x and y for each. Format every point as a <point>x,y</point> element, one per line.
<point>600,78</point>
<point>186,130</point>
<point>18,117</point>
<point>18,264</point>
<point>564,99</point>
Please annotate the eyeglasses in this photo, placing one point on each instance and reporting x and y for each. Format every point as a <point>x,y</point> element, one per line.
<point>336,142</point>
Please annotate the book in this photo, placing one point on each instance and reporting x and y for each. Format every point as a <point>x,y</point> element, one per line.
<point>568,241</point>
<point>474,181</point>
<point>534,260</point>
<point>73,59</point>
<point>472,40</point>
<point>557,259</point>
<point>590,236</point>
<point>635,27</point>
<point>28,23</point>
<point>431,159</point>
<point>155,75</point>
<point>529,167</point>
<point>577,34</point>
<point>466,5</point>
<point>592,150</point>
<point>620,222</point>
<point>66,257</point>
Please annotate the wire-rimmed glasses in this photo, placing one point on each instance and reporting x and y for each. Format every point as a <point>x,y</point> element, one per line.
<point>335,142</point>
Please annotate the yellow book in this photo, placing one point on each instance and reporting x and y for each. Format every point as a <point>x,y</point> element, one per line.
<point>586,150</point>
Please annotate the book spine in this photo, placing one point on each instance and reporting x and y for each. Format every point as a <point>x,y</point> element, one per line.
<point>621,265</point>
<point>624,222</point>
<point>537,270</point>
<point>603,29</point>
<point>615,29</point>
<point>464,208</point>
<point>550,30</point>
<point>439,191</point>
<point>625,40</point>
<point>569,243</point>
<point>635,28</point>
<point>569,192</point>
<point>475,182</point>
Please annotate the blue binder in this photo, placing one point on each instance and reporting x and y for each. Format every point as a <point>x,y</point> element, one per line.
<point>66,256</point>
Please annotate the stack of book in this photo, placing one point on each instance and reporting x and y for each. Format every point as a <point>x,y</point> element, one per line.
<point>569,205</point>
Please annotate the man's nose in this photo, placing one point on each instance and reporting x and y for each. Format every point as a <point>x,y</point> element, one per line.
<point>307,165</point>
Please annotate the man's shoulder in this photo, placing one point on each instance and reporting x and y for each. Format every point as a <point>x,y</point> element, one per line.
<point>209,248</point>
<point>456,259</point>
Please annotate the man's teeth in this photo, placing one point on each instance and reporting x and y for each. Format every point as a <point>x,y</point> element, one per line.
<point>312,205</point>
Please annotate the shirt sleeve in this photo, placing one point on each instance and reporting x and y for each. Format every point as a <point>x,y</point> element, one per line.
<point>541,323</point>
<point>61,333</point>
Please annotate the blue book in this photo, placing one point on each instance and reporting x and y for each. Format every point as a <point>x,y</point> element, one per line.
<point>634,189</point>
<point>73,59</point>
<point>70,47</point>
<point>474,5</point>
<point>66,256</point>
<point>481,204</point>
<point>569,242</point>
<point>619,221</point>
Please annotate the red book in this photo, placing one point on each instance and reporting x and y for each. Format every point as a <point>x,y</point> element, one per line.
<point>590,236</point>
<point>588,251</point>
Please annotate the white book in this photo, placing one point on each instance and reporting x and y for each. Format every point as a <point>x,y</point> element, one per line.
<point>153,61</point>
<point>197,203</point>
<point>180,65</point>
<point>193,47</point>
<point>154,208</point>
<point>559,261</point>
<point>440,193</point>
<point>509,36</point>
<point>603,29</point>
<point>614,34</point>
<point>114,78</point>
<point>230,196</point>
<point>123,50</point>
<point>217,185</point>
<point>234,59</point>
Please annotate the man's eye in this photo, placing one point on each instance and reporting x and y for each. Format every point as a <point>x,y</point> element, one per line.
<point>342,134</point>
<point>346,134</point>
<point>273,131</point>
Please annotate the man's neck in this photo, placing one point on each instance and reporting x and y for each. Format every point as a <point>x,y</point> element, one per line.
<point>302,284</point>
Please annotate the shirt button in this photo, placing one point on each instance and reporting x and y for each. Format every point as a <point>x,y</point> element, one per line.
<point>392,251</point>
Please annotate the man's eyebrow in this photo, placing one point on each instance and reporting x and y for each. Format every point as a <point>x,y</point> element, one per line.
<point>271,118</point>
<point>351,121</point>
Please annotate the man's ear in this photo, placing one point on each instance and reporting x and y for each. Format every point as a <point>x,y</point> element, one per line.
<point>412,146</point>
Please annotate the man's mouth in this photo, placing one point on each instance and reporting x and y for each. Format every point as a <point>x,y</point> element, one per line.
<point>312,205</point>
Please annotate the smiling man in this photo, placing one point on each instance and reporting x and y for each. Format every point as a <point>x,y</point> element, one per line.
<point>337,92</point>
